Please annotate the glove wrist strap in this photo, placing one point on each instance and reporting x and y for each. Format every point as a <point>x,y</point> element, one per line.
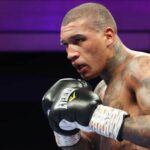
<point>64,141</point>
<point>107,121</point>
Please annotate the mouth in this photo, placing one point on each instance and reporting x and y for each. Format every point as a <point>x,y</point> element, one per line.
<point>80,68</point>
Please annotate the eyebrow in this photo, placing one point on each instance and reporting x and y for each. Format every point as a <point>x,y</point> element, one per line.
<point>76,36</point>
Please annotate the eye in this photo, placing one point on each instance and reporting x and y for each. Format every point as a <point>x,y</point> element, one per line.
<point>77,40</point>
<point>65,44</point>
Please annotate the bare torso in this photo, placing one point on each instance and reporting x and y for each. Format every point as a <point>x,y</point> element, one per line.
<point>118,94</point>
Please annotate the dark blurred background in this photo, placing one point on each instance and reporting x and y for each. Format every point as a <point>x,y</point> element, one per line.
<point>31,60</point>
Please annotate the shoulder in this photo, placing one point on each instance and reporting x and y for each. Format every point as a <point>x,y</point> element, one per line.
<point>139,63</point>
<point>138,68</point>
<point>100,89</point>
<point>138,79</point>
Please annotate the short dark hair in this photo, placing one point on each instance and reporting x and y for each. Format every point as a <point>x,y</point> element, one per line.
<point>97,14</point>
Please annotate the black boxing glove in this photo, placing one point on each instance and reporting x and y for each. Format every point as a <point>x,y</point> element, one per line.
<point>53,92</point>
<point>80,108</point>
<point>51,96</point>
<point>73,110</point>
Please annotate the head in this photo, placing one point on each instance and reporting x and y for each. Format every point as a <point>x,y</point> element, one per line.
<point>88,31</point>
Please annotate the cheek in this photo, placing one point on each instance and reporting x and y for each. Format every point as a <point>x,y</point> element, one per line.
<point>94,53</point>
<point>97,62</point>
<point>94,62</point>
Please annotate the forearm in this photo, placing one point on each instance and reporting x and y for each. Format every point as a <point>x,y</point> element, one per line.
<point>81,145</point>
<point>137,130</point>
<point>88,141</point>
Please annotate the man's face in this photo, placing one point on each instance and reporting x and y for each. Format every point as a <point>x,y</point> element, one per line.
<point>86,48</point>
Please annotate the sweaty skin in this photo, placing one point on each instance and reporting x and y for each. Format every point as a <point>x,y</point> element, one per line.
<point>121,93</point>
<point>125,85</point>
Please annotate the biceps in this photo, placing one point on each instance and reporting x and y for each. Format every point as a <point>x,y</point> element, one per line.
<point>143,99</point>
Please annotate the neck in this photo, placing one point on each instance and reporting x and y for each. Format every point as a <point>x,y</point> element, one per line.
<point>117,61</point>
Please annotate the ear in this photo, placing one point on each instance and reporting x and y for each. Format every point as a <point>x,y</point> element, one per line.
<point>110,36</point>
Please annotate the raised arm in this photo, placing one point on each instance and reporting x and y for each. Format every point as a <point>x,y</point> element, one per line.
<point>137,129</point>
<point>55,105</point>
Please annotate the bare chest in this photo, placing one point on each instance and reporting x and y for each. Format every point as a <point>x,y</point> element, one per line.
<point>117,95</point>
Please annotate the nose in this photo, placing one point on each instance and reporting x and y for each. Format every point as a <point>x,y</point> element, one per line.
<point>72,52</point>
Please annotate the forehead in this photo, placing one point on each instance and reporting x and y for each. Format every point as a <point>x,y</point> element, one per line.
<point>75,27</point>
